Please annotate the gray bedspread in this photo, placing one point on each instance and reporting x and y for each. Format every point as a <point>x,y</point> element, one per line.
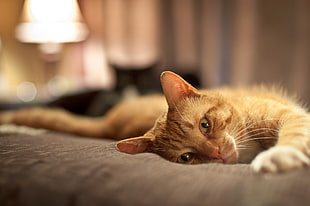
<point>59,169</point>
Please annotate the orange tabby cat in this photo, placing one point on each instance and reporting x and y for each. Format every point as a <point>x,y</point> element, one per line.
<point>227,126</point>
<point>259,125</point>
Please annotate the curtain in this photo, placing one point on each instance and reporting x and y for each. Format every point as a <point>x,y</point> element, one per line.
<point>236,42</point>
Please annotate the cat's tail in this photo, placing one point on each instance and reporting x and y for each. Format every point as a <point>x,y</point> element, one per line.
<point>56,120</point>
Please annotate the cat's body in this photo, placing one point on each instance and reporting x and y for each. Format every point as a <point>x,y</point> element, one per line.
<point>227,126</point>
<point>224,126</point>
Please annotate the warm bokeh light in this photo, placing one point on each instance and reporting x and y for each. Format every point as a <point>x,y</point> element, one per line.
<point>51,21</point>
<point>26,91</point>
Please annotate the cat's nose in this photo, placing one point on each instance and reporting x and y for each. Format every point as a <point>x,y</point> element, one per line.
<point>215,153</point>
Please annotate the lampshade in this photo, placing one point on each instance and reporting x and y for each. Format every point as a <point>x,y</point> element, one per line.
<point>51,21</point>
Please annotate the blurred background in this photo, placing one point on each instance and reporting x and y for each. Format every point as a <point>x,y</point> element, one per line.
<point>51,48</point>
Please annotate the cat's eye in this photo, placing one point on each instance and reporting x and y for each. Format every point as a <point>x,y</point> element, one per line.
<point>185,158</point>
<point>204,126</point>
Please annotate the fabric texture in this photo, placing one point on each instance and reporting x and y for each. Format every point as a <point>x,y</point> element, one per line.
<point>58,169</point>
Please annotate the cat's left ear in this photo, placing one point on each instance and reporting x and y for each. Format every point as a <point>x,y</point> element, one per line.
<point>135,145</point>
<point>176,88</point>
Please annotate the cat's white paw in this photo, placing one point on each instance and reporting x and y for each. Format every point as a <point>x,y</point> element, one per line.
<point>280,159</point>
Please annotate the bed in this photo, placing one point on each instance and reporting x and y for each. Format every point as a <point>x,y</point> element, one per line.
<point>49,168</point>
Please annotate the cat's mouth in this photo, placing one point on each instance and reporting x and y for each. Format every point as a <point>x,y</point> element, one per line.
<point>230,157</point>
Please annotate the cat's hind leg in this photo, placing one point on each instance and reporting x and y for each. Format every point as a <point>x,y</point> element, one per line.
<point>54,119</point>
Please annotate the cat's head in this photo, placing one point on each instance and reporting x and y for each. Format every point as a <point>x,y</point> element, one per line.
<point>197,128</point>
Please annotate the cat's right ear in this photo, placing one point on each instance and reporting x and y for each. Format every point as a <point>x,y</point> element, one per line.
<point>135,145</point>
<point>176,88</point>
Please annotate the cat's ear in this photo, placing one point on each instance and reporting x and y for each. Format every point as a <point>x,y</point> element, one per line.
<point>175,88</point>
<point>135,145</point>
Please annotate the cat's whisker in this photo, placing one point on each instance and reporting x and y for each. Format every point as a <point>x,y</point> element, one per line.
<point>256,132</point>
<point>243,148</point>
<point>255,139</point>
<point>240,147</point>
<point>247,140</point>
<point>249,136</point>
<point>250,125</point>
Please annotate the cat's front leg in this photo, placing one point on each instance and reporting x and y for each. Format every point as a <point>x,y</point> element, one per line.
<point>280,159</point>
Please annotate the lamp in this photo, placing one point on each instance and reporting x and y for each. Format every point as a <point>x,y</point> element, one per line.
<point>51,21</point>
